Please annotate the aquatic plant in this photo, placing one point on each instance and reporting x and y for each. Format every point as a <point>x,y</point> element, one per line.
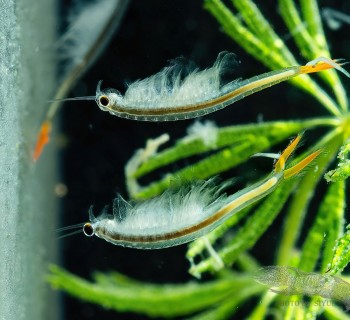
<point>325,247</point>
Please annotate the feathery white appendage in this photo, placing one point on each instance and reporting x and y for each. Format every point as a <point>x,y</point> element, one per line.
<point>139,157</point>
<point>207,131</point>
<point>178,84</point>
<point>86,22</point>
<point>171,211</point>
<point>292,281</point>
<point>218,263</point>
<point>335,18</point>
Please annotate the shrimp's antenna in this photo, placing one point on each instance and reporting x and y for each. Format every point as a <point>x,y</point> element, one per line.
<point>70,234</point>
<point>74,226</point>
<point>73,99</point>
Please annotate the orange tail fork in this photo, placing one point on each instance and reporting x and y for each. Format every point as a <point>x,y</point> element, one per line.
<point>290,172</point>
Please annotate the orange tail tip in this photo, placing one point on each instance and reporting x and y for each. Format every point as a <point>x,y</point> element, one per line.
<point>321,64</point>
<point>301,165</point>
<point>43,139</point>
<point>281,163</point>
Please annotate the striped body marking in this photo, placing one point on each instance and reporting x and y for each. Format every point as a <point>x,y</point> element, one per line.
<point>176,93</point>
<point>177,217</point>
<point>166,97</point>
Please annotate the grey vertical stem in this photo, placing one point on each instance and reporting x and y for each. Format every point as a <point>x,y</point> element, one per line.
<point>27,205</point>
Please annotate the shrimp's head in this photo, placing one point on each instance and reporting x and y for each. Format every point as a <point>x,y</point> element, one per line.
<point>107,99</point>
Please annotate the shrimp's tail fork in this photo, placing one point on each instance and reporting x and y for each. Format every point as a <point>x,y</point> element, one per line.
<point>321,64</point>
<point>292,171</point>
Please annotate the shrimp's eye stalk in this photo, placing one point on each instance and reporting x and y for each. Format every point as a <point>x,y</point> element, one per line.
<point>88,230</point>
<point>104,101</point>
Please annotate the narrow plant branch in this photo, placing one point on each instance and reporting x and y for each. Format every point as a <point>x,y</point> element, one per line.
<point>298,206</point>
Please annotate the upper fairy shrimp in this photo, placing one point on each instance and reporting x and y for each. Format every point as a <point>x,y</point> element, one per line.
<point>181,91</point>
<point>181,215</point>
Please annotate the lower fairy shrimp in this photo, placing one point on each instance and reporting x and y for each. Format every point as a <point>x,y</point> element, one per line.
<point>180,92</point>
<point>181,215</point>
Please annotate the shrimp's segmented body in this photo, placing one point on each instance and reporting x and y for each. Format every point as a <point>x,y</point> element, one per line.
<point>177,217</point>
<point>165,96</point>
<point>180,92</point>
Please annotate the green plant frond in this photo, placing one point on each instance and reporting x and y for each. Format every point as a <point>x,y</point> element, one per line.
<point>310,39</point>
<point>235,144</point>
<point>259,26</point>
<point>274,57</point>
<point>342,172</point>
<point>149,299</point>
<point>336,228</point>
<point>229,306</point>
<point>327,224</point>
<point>300,201</point>
<point>208,167</point>
<point>226,136</point>
<point>262,309</point>
<point>335,313</point>
<point>341,253</point>
<point>312,18</point>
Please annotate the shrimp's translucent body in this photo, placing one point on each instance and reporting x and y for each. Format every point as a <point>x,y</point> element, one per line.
<point>169,96</point>
<point>179,216</point>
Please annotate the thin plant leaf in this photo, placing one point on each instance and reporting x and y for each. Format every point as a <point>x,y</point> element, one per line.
<point>149,299</point>
<point>305,34</point>
<point>226,136</point>
<point>331,209</point>
<point>297,209</point>
<point>228,307</point>
<point>256,47</point>
<point>227,158</point>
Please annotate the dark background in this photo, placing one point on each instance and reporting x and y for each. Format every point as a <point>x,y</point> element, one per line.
<point>98,144</point>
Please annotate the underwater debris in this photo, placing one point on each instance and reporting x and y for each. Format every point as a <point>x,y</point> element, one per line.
<point>292,281</point>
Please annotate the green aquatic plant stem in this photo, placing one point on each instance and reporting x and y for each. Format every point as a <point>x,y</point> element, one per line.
<point>342,171</point>
<point>336,221</point>
<point>257,23</point>
<point>234,28</point>
<point>306,40</point>
<point>230,306</point>
<point>297,209</point>
<point>262,309</point>
<point>263,52</point>
<point>247,262</point>
<point>328,222</point>
<point>128,295</point>
<point>241,141</point>
<point>210,166</point>
<point>312,18</point>
<point>335,313</point>
<point>226,136</point>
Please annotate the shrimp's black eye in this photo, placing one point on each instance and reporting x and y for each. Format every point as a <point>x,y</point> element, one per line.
<point>88,229</point>
<point>104,101</point>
